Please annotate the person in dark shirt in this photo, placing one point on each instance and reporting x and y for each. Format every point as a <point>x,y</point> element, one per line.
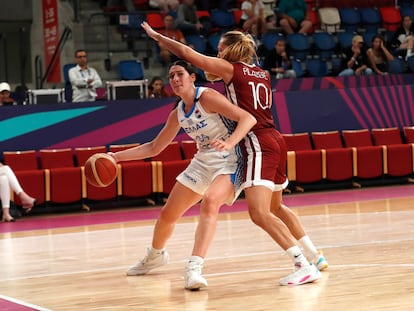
<point>356,60</point>
<point>278,63</point>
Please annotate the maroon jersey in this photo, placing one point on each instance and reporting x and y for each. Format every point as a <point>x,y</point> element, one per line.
<point>250,89</point>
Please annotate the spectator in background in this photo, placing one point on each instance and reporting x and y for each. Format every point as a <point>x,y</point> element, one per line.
<point>379,56</point>
<point>294,16</point>
<point>164,5</point>
<point>156,88</point>
<point>5,99</point>
<point>278,63</point>
<point>171,32</point>
<point>84,79</point>
<point>403,39</point>
<point>187,20</point>
<point>253,19</point>
<point>356,60</point>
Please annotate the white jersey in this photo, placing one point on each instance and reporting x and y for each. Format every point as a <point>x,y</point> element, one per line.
<point>208,163</point>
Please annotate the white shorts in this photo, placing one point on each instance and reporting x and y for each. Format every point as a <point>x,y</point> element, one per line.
<point>206,166</point>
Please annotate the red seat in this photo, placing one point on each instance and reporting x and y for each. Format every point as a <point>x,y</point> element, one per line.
<point>368,159</point>
<point>155,20</point>
<point>26,168</point>
<point>89,191</point>
<point>409,134</point>
<point>171,153</point>
<point>189,148</point>
<point>397,156</point>
<point>391,18</point>
<point>304,165</point>
<point>337,161</point>
<point>138,178</point>
<point>64,180</point>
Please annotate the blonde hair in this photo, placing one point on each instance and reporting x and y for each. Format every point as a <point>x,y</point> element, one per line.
<point>240,47</point>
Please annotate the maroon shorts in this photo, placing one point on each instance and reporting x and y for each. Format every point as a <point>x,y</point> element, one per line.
<point>265,156</point>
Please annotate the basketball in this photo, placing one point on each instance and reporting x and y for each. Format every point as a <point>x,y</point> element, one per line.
<point>101,170</point>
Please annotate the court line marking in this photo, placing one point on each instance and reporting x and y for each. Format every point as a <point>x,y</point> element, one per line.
<point>23,303</point>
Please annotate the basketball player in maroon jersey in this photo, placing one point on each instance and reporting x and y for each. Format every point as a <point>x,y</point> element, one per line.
<point>264,150</point>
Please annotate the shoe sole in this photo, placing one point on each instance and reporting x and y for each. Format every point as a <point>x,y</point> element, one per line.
<point>196,286</point>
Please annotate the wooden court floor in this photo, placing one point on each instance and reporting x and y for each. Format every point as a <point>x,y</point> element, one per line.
<point>368,243</point>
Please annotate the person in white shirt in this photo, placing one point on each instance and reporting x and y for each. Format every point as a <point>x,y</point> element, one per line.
<point>84,79</point>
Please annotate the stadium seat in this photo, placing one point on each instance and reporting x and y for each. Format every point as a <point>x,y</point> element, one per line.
<point>397,65</point>
<point>350,19</point>
<point>345,39</point>
<point>269,40</point>
<point>410,63</point>
<point>304,165</point>
<point>370,19</point>
<point>391,18</point>
<point>189,148</point>
<point>223,20</point>
<point>329,19</point>
<point>337,160</point>
<point>397,155</point>
<point>407,11</point>
<point>213,41</point>
<point>299,46</point>
<point>171,153</point>
<point>367,158</point>
<point>26,168</point>
<point>316,67</point>
<point>155,20</point>
<point>63,178</point>
<point>130,70</point>
<point>137,178</point>
<point>409,134</point>
<point>197,42</point>
<point>91,192</point>
<point>325,44</point>
<point>298,67</point>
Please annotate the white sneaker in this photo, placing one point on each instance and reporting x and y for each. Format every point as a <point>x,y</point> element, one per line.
<point>301,275</point>
<point>151,261</point>
<point>193,278</point>
<point>320,261</point>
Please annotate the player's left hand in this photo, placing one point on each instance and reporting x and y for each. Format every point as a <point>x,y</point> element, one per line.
<point>220,145</point>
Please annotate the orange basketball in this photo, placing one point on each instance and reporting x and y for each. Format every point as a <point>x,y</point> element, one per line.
<point>101,170</point>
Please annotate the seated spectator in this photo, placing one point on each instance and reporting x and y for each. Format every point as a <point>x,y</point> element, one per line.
<point>164,5</point>
<point>171,32</point>
<point>294,16</point>
<point>277,62</point>
<point>356,59</point>
<point>156,88</point>
<point>5,99</point>
<point>379,56</point>
<point>403,39</point>
<point>187,20</point>
<point>253,19</point>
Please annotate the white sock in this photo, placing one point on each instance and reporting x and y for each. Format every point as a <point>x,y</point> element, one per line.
<point>308,247</point>
<point>156,251</point>
<point>297,256</point>
<point>196,259</point>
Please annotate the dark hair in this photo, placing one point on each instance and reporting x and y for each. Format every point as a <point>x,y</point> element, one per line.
<point>79,50</point>
<point>187,66</point>
<point>155,78</point>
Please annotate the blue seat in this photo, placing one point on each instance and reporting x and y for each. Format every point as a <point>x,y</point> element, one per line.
<point>299,45</point>
<point>132,26</point>
<point>316,67</point>
<point>269,40</point>
<point>350,19</point>
<point>223,20</point>
<point>325,44</point>
<point>130,70</point>
<point>368,37</point>
<point>407,11</point>
<point>345,39</point>
<point>371,19</point>
<point>68,85</point>
<point>213,41</point>
<point>397,65</point>
<point>197,42</point>
<point>297,67</point>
